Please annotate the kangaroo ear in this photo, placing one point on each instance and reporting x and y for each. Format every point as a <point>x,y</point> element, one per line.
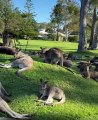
<point>18,50</point>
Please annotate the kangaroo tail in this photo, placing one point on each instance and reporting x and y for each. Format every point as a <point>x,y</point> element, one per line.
<point>69,70</point>
<point>61,101</point>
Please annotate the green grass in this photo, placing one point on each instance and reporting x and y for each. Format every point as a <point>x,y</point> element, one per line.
<point>36,44</point>
<point>81,94</point>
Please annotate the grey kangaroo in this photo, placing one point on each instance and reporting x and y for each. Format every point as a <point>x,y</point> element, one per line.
<point>51,93</point>
<point>4,107</point>
<point>90,74</point>
<point>82,66</point>
<point>23,61</point>
<point>53,55</point>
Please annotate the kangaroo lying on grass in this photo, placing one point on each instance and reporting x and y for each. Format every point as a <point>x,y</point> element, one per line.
<point>51,93</point>
<point>82,65</point>
<point>88,73</point>
<point>4,107</point>
<point>23,61</point>
<point>3,94</point>
<point>96,66</point>
<point>53,55</point>
<point>8,50</point>
<point>95,59</point>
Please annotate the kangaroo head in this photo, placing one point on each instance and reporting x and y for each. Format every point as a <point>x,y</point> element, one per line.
<point>84,66</point>
<point>87,66</point>
<point>43,84</point>
<point>42,52</point>
<point>19,54</point>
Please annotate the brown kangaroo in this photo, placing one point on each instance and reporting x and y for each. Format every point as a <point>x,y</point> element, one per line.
<point>53,55</point>
<point>95,59</point>
<point>51,93</point>
<point>90,74</point>
<point>82,65</point>
<point>4,107</point>
<point>96,66</point>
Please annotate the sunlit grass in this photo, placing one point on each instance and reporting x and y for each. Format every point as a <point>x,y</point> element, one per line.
<point>81,94</point>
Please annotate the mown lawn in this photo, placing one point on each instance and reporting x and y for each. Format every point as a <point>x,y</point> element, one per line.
<point>81,94</point>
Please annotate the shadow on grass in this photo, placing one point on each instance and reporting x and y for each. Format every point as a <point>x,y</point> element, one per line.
<point>53,116</point>
<point>89,53</point>
<point>17,86</point>
<point>76,88</point>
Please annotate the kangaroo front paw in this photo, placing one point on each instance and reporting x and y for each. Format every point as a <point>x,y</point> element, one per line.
<point>49,104</point>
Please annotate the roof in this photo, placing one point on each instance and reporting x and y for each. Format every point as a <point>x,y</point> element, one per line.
<point>43,32</point>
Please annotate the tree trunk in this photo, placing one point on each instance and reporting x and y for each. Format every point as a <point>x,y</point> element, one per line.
<point>7,41</point>
<point>82,36</point>
<point>66,35</point>
<point>57,37</point>
<point>92,28</point>
<point>95,38</point>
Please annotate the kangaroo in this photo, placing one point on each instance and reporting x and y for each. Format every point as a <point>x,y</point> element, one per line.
<point>95,59</point>
<point>96,66</point>
<point>4,107</point>
<point>23,61</point>
<point>66,63</point>
<point>72,56</point>
<point>52,56</point>
<point>51,93</point>
<point>4,94</point>
<point>90,74</point>
<point>82,65</point>
<point>8,50</point>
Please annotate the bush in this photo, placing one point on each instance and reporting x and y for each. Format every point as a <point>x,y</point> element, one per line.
<point>73,39</point>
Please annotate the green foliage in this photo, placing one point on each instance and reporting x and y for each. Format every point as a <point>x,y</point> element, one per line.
<point>73,39</point>
<point>57,14</point>
<point>17,22</point>
<point>5,12</point>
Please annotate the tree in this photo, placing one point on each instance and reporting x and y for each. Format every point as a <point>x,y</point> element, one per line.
<point>30,25</point>
<point>66,16</point>
<point>93,38</point>
<point>57,15</point>
<point>82,35</point>
<point>71,18</point>
<point>5,16</point>
<point>16,23</point>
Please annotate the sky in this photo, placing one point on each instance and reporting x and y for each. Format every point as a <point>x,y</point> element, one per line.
<point>42,8</point>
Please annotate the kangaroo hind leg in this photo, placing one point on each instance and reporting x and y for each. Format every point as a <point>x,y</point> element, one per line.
<point>4,107</point>
<point>3,90</point>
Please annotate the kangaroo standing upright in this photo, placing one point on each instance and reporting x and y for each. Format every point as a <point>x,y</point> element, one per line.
<point>4,107</point>
<point>51,93</point>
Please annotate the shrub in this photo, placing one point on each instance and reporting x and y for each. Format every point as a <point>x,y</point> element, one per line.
<point>73,39</point>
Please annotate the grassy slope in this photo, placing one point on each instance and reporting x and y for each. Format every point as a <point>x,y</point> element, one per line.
<point>81,94</point>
